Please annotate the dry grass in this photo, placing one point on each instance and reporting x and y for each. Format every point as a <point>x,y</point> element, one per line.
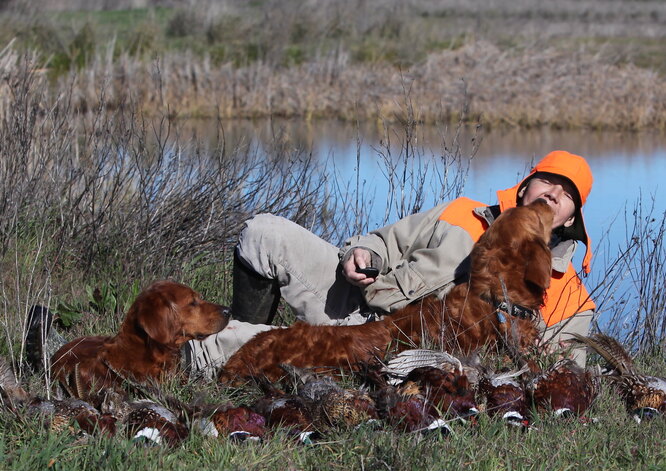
<point>519,88</point>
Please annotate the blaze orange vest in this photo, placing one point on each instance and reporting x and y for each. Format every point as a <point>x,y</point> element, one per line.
<point>566,295</point>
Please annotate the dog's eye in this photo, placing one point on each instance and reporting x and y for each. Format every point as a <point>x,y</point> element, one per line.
<point>194,303</point>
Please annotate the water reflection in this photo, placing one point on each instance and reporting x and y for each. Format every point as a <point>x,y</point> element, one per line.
<point>626,166</point>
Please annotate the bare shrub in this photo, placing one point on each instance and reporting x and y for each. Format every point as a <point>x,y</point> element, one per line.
<point>116,197</point>
<point>632,293</point>
<point>118,186</point>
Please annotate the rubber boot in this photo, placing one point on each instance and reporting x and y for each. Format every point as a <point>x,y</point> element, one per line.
<point>255,298</point>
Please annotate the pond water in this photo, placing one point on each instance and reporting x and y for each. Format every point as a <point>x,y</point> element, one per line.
<point>628,168</point>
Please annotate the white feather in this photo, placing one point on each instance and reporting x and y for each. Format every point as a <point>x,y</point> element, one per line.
<point>405,362</point>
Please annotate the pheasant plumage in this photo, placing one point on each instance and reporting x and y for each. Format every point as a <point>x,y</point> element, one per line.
<point>154,424</point>
<point>449,391</point>
<point>331,404</point>
<point>61,415</point>
<point>403,407</point>
<point>644,396</point>
<point>402,364</point>
<point>505,397</point>
<point>285,410</point>
<point>406,412</point>
<point>565,389</point>
<point>239,423</point>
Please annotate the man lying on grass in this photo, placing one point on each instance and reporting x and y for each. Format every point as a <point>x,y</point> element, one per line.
<point>424,253</point>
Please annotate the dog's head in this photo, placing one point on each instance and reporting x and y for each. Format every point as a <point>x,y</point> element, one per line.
<point>172,313</point>
<point>514,252</point>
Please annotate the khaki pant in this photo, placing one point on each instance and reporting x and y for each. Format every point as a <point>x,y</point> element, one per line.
<point>557,335</point>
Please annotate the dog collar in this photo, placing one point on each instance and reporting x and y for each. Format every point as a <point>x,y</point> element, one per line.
<point>515,310</point>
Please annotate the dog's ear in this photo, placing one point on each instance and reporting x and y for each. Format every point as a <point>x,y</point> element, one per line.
<point>155,315</point>
<point>538,266</point>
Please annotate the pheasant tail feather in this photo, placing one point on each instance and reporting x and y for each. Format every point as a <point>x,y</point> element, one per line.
<point>611,350</point>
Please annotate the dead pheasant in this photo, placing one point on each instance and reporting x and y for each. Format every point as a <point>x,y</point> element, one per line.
<point>152,423</point>
<point>68,414</point>
<point>505,397</point>
<point>644,396</point>
<point>565,388</point>
<point>72,415</point>
<point>332,405</point>
<point>406,410</point>
<point>403,407</point>
<point>450,392</point>
<point>402,364</point>
<point>440,377</point>
<point>238,423</point>
<point>289,411</point>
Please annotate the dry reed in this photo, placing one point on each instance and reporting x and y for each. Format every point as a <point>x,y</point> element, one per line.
<point>519,88</point>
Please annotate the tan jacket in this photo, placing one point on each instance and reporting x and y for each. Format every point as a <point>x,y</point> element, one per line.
<point>422,254</point>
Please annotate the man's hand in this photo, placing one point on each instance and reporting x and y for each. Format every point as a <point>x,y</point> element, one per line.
<point>360,258</point>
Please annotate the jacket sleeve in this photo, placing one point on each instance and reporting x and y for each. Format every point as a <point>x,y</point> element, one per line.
<point>417,255</point>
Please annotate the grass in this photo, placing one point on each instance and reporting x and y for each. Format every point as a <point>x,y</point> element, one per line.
<point>616,442</point>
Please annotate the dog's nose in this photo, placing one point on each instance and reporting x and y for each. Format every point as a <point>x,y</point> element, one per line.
<point>226,312</point>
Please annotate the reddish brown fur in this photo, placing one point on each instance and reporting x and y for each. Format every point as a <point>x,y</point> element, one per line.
<point>514,249</point>
<point>159,322</point>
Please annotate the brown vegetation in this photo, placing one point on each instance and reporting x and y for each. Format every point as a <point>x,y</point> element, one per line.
<point>519,88</point>
<point>565,65</point>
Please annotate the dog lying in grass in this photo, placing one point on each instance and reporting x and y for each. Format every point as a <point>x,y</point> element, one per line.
<point>162,318</point>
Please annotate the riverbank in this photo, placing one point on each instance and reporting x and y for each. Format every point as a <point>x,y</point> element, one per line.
<point>591,65</point>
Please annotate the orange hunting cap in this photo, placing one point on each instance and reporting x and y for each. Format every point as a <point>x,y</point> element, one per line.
<point>575,169</point>
<point>572,166</point>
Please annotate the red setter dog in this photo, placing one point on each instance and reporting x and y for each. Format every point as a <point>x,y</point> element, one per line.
<point>510,271</point>
<point>162,318</point>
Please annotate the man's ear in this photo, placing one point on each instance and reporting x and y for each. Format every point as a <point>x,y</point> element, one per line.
<point>522,192</point>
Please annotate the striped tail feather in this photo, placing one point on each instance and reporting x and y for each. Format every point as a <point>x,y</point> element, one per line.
<point>611,350</point>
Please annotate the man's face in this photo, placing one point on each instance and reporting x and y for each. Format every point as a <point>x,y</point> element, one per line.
<point>557,192</point>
